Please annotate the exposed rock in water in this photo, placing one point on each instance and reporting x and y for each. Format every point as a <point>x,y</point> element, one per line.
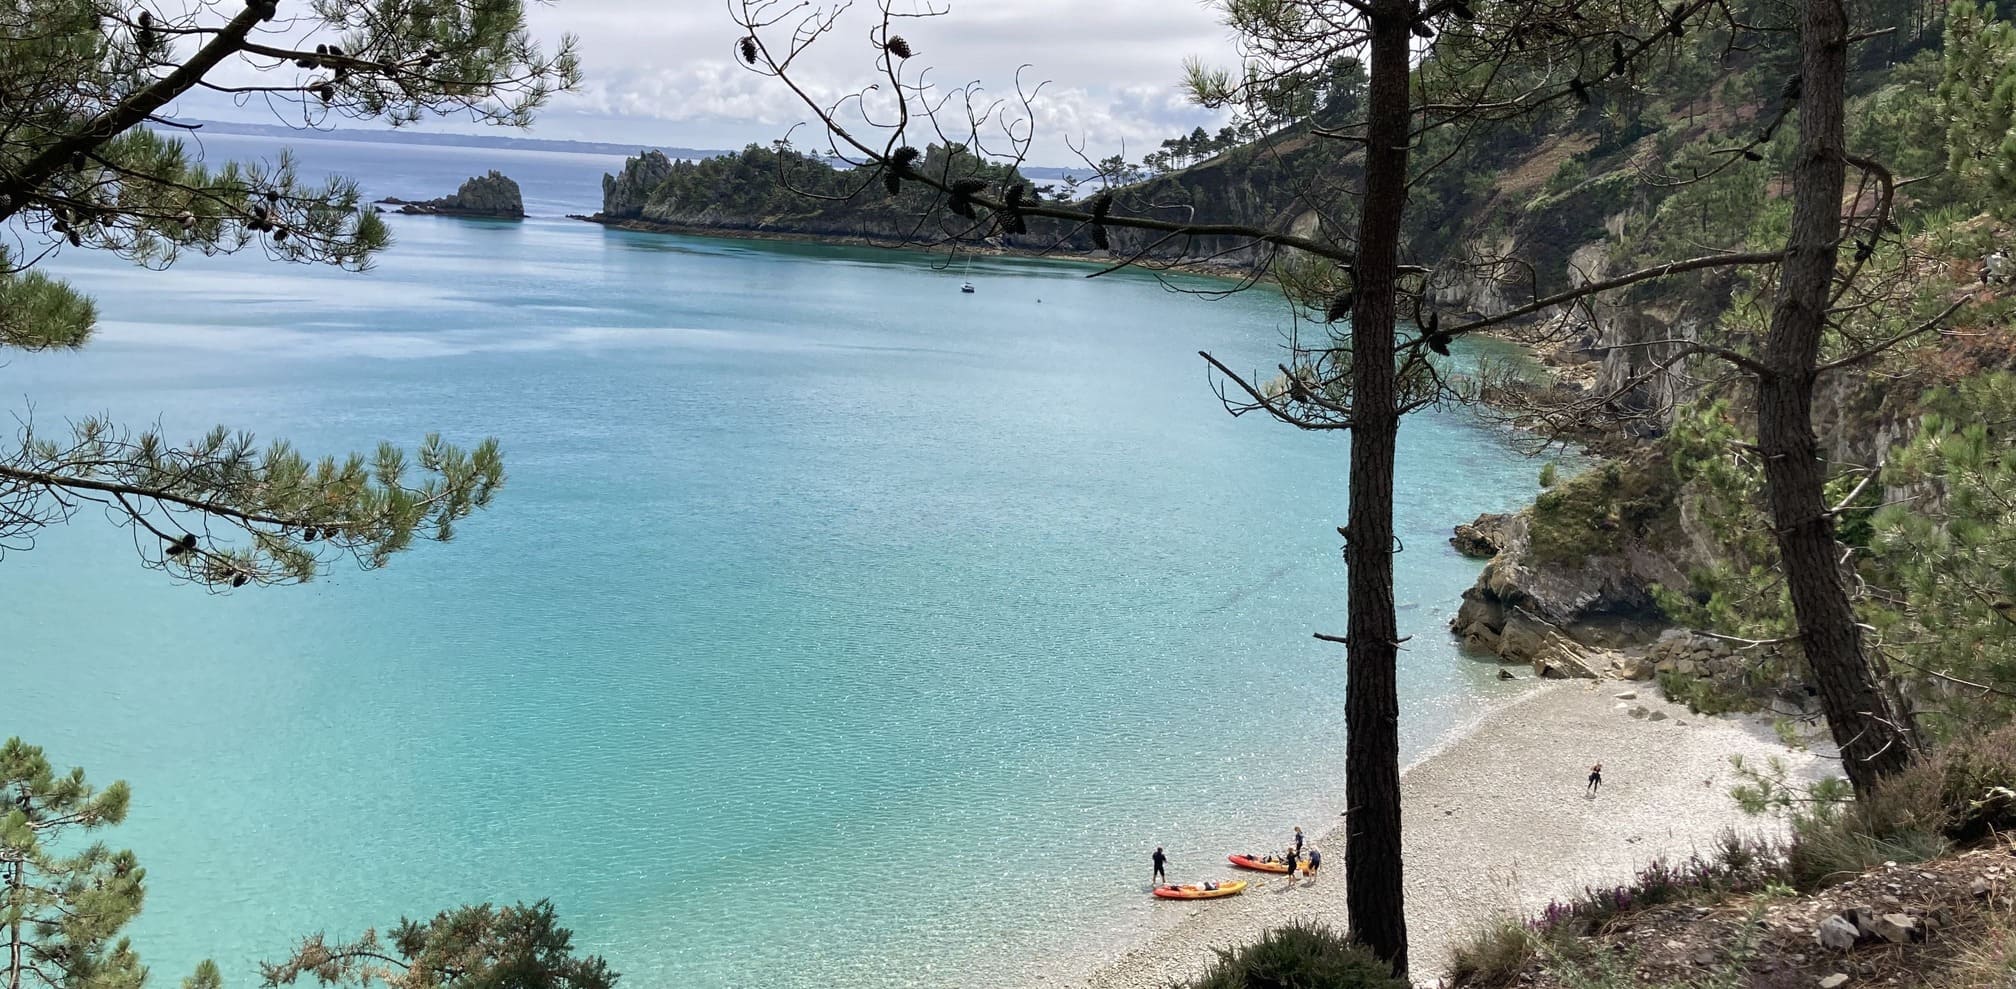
<point>1479,539</point>
<point>625,194</point>
<point>492,195</point>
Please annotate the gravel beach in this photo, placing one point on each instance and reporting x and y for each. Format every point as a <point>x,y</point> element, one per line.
<point>1497,822</point>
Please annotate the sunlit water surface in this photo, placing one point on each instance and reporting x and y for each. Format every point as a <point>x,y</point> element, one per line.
<point>833,628</point>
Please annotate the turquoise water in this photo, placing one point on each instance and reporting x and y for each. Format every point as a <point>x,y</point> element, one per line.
<point>833,628</point>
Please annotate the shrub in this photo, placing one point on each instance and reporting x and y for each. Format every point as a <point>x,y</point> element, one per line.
<point>1733,865</point>
<point>1299,956</point>
<point>1548,474</point>
<point>1705,696</point>
<point>1827,849</point>
<point>1962,792</point>
<point>1985,959</point>
<point>1496,957</point>
<point>1595,513</point>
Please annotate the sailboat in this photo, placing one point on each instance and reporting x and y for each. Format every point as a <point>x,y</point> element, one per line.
<point>968,286</point>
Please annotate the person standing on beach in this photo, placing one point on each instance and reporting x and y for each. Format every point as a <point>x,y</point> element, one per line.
<point>1293,854</point>
<point>1315,862</point>
<point>1160,860</point>
<point>1298,839</point>
<point>1595,778</point>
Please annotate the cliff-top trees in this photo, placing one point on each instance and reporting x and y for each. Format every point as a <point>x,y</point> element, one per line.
<point>80,86</point>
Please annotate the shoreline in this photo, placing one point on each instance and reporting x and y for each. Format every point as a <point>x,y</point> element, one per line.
<point>1226,272</point>
<point>1496,823</point>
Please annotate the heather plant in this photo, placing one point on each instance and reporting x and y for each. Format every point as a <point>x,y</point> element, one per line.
<point>1735,865</point>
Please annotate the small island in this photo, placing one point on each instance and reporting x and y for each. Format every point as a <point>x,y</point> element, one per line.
<point>493,196</point>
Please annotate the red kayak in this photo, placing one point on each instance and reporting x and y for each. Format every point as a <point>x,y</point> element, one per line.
<point>1269,864</point>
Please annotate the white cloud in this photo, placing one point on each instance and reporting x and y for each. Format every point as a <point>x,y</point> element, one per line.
<point>668,76</point>
<point>666,73</point>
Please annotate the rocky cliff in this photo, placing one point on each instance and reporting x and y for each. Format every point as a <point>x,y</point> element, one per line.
<point>494,195</point>
<point>625,193</point>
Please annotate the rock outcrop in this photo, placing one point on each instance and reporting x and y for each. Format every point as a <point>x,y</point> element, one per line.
<point>1551,615</point>
<point>494,195</point>
<point>625,194</point>
<point>1482,538</point>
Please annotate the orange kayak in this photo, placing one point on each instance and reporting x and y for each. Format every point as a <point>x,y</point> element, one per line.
<point>1196,891</point>
<point>1262,865</point>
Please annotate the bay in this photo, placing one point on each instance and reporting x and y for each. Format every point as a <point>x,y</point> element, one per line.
<point>833,628</point>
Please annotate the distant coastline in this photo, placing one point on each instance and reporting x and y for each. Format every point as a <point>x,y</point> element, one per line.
<point>413,137</point>
<point>436,139</point>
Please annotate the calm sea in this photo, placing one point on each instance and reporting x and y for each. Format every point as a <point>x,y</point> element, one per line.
<point>834,629</point>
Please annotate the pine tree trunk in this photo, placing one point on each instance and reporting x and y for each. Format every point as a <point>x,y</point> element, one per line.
<point>1373,896</point>
<point>1872,732</point>
<point>14,944</point>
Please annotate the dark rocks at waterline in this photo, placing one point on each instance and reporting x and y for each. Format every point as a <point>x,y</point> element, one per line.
<point>1482,538</point>
<point>493,196</point>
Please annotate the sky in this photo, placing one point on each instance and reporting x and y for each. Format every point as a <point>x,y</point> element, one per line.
<point>664,73</point>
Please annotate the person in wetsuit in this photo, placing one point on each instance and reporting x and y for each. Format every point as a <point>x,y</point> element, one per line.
<point>1160,860</point>
<point>1595,778</point>
<point>1293,855</point>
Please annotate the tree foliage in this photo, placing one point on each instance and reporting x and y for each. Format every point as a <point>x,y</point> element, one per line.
<point>1946,561</point>
<point>470,947</point>
<point>85,165</point>
<point>1978,95</point>
<point>64,897</point>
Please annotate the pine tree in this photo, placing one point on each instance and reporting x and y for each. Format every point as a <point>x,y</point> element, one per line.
<point>80,86</point>
<point>471,947</point>
<point>1978,95</point>
<point>63,897</point>
<point>1943,560</point>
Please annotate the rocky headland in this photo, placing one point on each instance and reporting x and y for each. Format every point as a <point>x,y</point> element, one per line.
<point>493,196</point>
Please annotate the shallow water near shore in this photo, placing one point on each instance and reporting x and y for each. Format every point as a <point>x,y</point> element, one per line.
<point>832,629</point>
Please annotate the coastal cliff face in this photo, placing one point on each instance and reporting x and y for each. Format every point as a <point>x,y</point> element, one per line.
<point>1532,606</point>
<point>625,193</point>
<point>494,195</point>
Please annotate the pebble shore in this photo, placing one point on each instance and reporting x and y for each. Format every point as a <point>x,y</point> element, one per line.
<point>1497,823</point>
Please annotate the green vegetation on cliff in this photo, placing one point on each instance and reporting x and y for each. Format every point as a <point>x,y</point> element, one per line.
<point>779,189</point>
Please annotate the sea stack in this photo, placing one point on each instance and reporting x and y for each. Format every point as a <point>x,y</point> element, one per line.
<point>494,195</point>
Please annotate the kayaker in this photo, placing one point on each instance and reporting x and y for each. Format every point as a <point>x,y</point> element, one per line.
<point>1315,862</point>
<point>1595,778</point>
<point>1160,860</point>
<point>1292,856</point>
<point>1298,839</point>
